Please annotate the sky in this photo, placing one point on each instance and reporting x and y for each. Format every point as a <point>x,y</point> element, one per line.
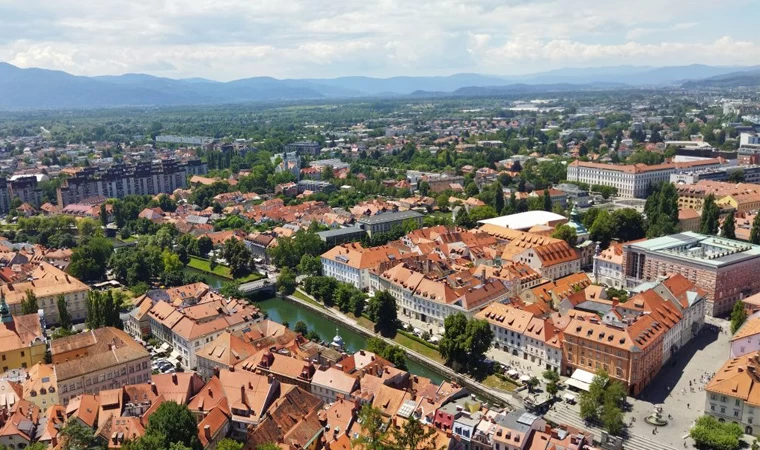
<point>232,39</point>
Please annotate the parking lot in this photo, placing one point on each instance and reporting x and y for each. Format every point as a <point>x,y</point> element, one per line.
<point>162,361</point>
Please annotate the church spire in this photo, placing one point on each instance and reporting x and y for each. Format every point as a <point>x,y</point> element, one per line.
<point>5,312</point>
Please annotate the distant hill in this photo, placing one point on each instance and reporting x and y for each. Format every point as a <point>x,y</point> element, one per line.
<point>750,78</point>
<point>50,89</point>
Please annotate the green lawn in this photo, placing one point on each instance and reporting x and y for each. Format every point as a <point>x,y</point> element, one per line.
<point>221,271</point>
<point>417,347</point>
<point>495,382</point>
<point>300,295</point>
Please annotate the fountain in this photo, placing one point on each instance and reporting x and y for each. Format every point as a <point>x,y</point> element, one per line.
<point>656,418</point>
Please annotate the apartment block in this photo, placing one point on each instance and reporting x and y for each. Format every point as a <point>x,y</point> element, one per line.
<point>120,180</point>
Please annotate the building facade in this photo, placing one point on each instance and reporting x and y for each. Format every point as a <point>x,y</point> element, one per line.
<point>630,180</point>
<point>724,269</point>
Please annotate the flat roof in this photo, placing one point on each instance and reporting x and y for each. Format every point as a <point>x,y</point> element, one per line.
<point>390,217</point>
<point>699,248</point>
<point>524,220</point>
<point>347,231</point>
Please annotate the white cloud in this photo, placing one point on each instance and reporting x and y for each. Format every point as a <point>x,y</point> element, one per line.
<point>227,39</point>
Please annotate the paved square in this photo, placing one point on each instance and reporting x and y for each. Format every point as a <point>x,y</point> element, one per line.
<point>679,387</point>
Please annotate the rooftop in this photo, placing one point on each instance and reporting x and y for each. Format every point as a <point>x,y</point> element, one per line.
<point>699,248</point>
<point>525,220</point>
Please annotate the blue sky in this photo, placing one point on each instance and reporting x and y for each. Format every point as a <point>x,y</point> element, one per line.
<point>229,39</point>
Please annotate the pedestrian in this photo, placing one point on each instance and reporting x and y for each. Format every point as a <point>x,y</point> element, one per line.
<point>688,406</point>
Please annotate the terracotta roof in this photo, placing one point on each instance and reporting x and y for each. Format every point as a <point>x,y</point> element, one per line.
<point>105,347</point>
<point>738,378</point>
<point>47,281</point>
<point>750,328</point>
<point>294,406</point>
<point>178,387</point>
<point>335,379</point>
<point>357,257</point>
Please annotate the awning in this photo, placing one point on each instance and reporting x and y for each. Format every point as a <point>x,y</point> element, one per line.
<point>525,378</point>
<point>581,380</point>
<point>570,397</point>
<point>512,372</point>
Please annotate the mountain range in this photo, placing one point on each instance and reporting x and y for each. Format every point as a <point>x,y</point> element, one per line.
<point>34,88</point>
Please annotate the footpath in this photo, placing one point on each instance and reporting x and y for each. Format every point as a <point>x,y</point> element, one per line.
<point>559,414</point>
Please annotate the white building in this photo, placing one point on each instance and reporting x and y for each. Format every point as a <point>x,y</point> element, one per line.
<point>747,139</point>
<point>190,328</point>
<point>733,394</point>
<point>426,303</point>
<point>553,260</point>
<point>523,335</point>
<point>747,338</point>
<point>327,384</point>
<point>608,267</point>
<point>630,180</point>
<point>351,263</point>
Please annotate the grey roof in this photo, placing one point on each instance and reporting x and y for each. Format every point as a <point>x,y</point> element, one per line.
<point>347,231</point>
<point>602,308</point>
<point>699,249</point>
<point>390,217</point>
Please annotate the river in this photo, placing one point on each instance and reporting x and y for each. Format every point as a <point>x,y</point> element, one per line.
<point>282,311</point>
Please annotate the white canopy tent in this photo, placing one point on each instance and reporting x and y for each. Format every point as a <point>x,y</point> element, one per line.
<point>580,380</point>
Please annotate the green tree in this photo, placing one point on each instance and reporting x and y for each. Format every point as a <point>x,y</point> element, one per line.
<point>89,260</point>
<point>481,213</point>
<point>464,341</point>
<point>29,303</point>
<point>268,446</point>
<point>463,218</point>
<point>374,432</point>
<point>547,200</point>
<point>310,265</point>
<point>661,210</point>
<point>552,382</point>
<point>566,233</point>
<point>442,200</point>
<point>64,318</point>
<point>728,230</point>
<point>602,402</point>
<point>238,257</point>
<point>175,423</point>
<point>498,203</point>
<point>414,435</point>
<point>230,444</point>
<point>171,261</point>
<point>708,224</point>
<point>88,228</point>
<point>602,230</point>
<point>103,310</point>
<point>382,310</point>
<point>205,245</point>
<point>103,215</point>
<point>76,436</point>
<point>301,327</point>
<point>628,224</point>
<point>738,316</point>
<point>754,234</point>
<point>286,281</point>
<point>396,355</point>
<point>708,433</point>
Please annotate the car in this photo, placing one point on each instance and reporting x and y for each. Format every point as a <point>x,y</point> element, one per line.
<point>169,370</point>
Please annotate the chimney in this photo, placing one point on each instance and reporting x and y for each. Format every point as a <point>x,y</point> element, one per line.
<point>207,431</point>
<point>174,378</point>
<point>483,276</point>
<point>270,378</point>
<point>216,371</point>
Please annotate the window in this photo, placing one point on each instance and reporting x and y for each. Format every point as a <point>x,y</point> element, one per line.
<point>722,409</point>
<point>737,402</point>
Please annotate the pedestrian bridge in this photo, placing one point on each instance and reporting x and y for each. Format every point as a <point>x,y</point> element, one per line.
<point>253,287</point>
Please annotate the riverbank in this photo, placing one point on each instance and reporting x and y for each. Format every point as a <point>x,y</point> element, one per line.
<point>491,395</point>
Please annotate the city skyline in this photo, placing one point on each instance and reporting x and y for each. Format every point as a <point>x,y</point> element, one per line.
<point>236,39</point>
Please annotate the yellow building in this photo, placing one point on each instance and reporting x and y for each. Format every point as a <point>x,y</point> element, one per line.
<point>22,343</point>
<point>41,386</point>
<point>740,197</point>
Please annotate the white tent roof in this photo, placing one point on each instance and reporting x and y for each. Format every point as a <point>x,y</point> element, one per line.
<point>581,380</point>
<point>525,220</point>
